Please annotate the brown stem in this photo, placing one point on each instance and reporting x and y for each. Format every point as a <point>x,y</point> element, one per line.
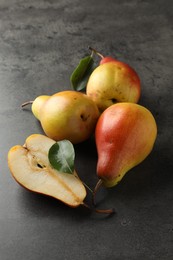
<point>86,205</point>
<point>26,103</point>
<point>95,51</point>
<point>105,211</point>
<point>98,185</point>
<point>100,211</point>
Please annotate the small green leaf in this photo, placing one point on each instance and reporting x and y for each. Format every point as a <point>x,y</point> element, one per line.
<point>61,156</point>
<point>81,74</point>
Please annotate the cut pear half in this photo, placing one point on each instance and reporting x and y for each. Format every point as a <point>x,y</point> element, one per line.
<point>30,167</point>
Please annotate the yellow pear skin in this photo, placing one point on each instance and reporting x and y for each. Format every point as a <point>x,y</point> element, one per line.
<point>37,105</point>
<point>69,115</point>
<point>125,135</point>
<point>113,82</point>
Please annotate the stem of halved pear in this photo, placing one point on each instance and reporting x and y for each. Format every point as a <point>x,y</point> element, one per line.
<point>96,52</point>
<point>105,211</point>
<point>27,103</point>
<point>100,211</point>
<point>98,185</point>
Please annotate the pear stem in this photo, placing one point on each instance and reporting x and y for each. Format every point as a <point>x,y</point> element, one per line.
<point>96,52</point>
<point>98,185</point>
<point>105,211</point>
<point>100,211</point>
<point>27,103</point>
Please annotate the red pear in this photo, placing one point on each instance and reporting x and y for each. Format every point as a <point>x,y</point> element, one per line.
<point>125,135</point>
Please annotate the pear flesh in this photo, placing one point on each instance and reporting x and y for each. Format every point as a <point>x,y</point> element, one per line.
<point>30,167</point>
<point>125,135</point>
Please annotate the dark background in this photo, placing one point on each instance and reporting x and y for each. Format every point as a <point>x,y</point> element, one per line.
<point>41,42</point>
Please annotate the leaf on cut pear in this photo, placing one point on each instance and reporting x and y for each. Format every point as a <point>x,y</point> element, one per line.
<point>61,156</point>
<point>81,74</point>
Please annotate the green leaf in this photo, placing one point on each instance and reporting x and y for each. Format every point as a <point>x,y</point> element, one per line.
<point>81,74</point>
<point>61,156</point>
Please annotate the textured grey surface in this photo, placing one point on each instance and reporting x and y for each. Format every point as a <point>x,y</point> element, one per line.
<point>40,44</point>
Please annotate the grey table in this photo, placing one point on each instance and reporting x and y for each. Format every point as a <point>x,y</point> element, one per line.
<point>40,44</point>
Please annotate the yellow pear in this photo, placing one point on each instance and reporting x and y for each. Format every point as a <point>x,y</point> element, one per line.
<point>111,82</point>
<point>67,115</point>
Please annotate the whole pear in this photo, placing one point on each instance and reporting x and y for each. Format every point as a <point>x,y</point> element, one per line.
<point>125,135</point>
<point>111,82</point>
<point>69,115</point>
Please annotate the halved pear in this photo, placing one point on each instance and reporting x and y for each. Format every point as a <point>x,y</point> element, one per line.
<point>30,167</point>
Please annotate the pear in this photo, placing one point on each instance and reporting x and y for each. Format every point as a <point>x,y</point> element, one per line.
<point>37,105</point>
<point>113,81</point>
<point>30,167</point>
<point>125,135</point>
<point>67,115</point>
